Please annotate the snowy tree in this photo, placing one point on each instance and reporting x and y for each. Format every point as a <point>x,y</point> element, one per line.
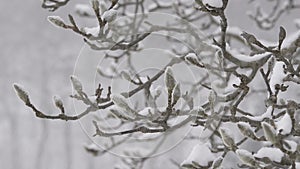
<point>228,92</point>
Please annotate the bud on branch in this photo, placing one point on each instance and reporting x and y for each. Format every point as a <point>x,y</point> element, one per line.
<point>57,21</point>
<point>269,133</point>
<point>23,95</point>
<point>58,103</point>
<point>227,139</point>
<point>169,79</point>
<point>76,83</point>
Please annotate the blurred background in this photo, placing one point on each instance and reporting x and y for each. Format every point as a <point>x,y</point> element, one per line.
<point>41,58</point>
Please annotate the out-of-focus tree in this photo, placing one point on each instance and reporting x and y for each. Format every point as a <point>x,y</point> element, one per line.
<point>237,95</point>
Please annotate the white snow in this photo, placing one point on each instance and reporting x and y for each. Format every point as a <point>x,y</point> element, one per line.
<point>141,46</point>
<point>246,58</point>
<point>123,103</point>
<point>284,124</point>
<point>84,9</point>
<point>243,153</point>
<point>195,111</point>
<point>121,166</point>
<point>200,154</point>
<point>92,98</point>
<point>151,6</point>
<point>277,75</point>
<point>112,70</point>
<point>110,15</point>
<point>191,55</point>
<point>290,39</point>
<point>273,154</point>
<point>188,11</point>
<point>268,43</point>
<point>215,3</point>
<point>161,108</point>
<point>244,124</point>
<point>297,165</point>
<point>266,24</point>
<point>293,145</point>
<point>165,3</point>
<point>193,59</point>
<point>119,100</point>
<point>92,146</point>
<point>148,136</point>
<point>146,111</point>
<point>184,49</point>
<point>155,91</point>
<point>93,30</point>
<point>144,79</point>
<point>267,114</point>
<point>234,30</point>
